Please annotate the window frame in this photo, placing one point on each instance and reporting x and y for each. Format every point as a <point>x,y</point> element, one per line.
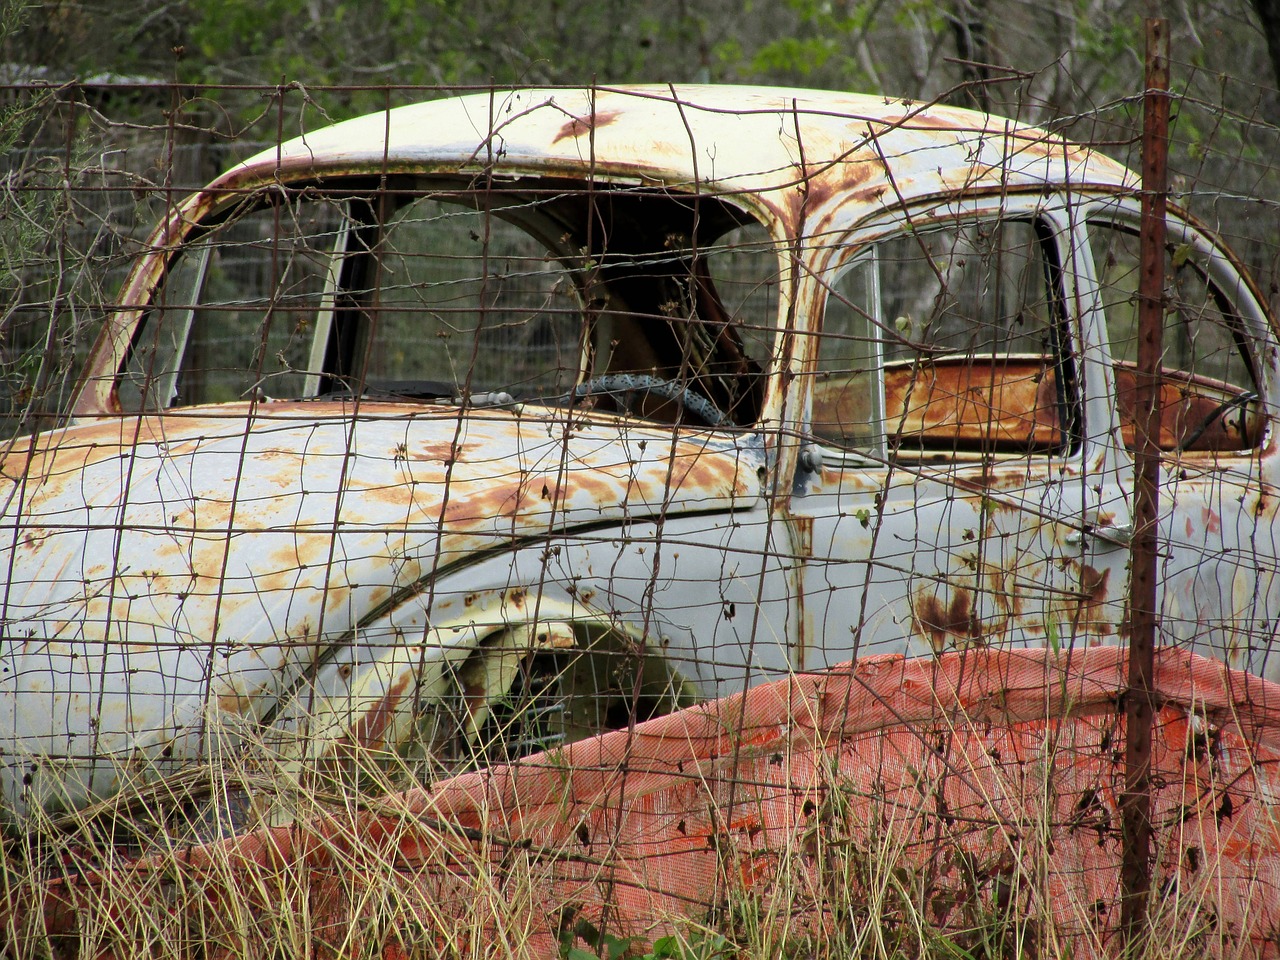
<point>340,312</point>
<point>1057,236</point>
<point>1232,285</point>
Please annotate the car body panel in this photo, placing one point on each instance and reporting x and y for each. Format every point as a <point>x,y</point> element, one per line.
<point>301,576</point>
<point>220,601</point>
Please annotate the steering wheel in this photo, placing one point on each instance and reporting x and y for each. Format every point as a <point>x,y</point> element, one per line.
<point>620,386</point>
<point>1239,402</point>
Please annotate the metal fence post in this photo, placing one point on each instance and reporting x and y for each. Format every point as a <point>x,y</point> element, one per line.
<point>1135,870</point>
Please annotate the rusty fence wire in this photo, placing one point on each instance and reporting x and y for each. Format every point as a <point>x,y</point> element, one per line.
<point>673,523</point>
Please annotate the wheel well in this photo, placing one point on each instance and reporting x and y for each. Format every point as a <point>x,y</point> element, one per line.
<point>531,687</point>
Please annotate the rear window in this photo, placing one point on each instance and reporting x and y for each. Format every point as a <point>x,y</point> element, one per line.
<point>1209,395</point>
<point>641,303</point>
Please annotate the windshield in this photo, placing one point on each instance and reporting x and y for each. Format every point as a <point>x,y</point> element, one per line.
<point>650,303</point>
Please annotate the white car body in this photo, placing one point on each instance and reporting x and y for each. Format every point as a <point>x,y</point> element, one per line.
<point>318,569</point>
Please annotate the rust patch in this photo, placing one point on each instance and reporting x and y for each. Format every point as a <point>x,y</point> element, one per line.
<point>578,126</point>
<point>1211,521</point>
<point>869,195</point>
<point>1003,586</point>
<point>475,694</point>
<point>236,704</point>
<point>592,489</point>
<point>1093,595</point>
<point>812,189</point>
<point>372,727</point>
<point>1093,583</point>
<point>956,404</point>
<point>556,636</point>
<point>1197,414</point>
<point>444,452</point>
<point>937,622</point>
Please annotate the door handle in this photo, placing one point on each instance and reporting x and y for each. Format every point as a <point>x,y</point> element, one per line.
<point>1108,531</point>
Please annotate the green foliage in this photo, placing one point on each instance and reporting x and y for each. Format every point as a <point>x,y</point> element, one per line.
<point>13,16</point>
<point>1112,39</point>
<point>604,945</point>
<point>700,945</point>
<point>821,46</point>
<point>794,55</point>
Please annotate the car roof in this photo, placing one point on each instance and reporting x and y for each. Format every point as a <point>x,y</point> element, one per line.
<point>806,162</point>
<point>791,151</point>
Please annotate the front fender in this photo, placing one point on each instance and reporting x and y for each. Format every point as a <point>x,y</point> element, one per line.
<point>368,694</point>
<point>405,699</point>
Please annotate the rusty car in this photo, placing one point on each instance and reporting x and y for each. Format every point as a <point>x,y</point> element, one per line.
<point>479,425</point>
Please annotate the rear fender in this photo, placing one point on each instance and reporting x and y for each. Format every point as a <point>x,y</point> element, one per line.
<point>393,705</point>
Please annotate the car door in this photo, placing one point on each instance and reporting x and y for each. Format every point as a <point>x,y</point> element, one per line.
<point>1216,545</point>
<point>950,495</point>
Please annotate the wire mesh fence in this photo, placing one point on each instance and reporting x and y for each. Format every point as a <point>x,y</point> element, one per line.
<point>682,522</point>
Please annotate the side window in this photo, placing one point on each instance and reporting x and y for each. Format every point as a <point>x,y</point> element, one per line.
<point>743,266</point>
<point>238,313</point>
<point>466,298</point>
<point>947,342</point>
<point>1209,394</point>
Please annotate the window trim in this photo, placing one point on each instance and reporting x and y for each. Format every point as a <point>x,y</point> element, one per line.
<point>1056,237</point>
<point>1222,275</point>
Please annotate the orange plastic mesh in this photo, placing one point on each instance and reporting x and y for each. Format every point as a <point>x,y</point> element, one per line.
<point>977,784</point>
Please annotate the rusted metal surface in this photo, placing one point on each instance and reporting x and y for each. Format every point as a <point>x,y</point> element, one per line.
<point>717,491</point>
<point>262,573</point>
<point>1140,702</point>
<point>1193,415</point>
<point>987,783</point>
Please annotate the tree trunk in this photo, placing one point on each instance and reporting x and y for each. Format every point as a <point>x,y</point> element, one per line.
<point>1269,15</point>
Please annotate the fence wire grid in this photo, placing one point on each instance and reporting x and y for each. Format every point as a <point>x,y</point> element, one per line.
<point>658,521</point>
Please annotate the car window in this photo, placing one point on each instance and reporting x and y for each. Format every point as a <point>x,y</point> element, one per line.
<point>238,312</point>
<point>946,342</point>
<point>630,301</point>
<point>472,302</point>
<point>1209,395</point>
<point>743,266</point>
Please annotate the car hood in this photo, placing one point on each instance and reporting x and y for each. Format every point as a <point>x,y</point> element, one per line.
<point>147,555</point>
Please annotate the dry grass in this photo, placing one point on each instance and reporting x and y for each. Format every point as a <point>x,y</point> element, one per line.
<point>878,846</point>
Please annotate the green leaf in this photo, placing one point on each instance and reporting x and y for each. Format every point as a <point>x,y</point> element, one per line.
<point>665,948</point>
<point>616,947</point>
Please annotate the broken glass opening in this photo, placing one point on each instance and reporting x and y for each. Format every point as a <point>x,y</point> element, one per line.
<point>649,303</point>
